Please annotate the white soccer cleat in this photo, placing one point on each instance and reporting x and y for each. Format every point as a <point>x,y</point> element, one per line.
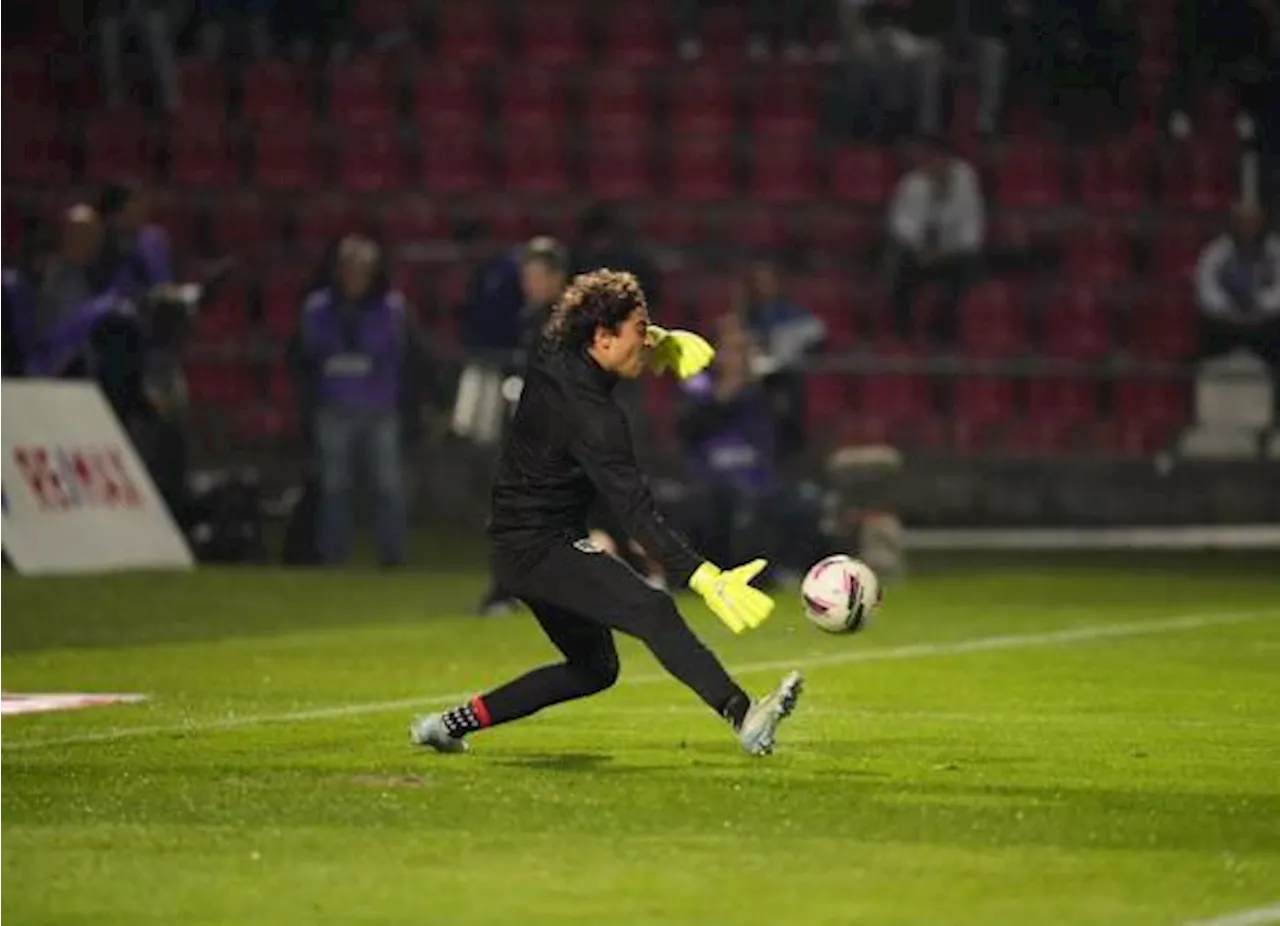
<point>759,731</point>
<point>429,730</point>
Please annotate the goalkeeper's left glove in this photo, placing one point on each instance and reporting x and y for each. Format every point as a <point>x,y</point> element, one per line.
<point>730,596</point>
<point>683,352</point>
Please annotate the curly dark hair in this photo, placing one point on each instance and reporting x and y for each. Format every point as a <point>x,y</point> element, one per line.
<point>599,299</point>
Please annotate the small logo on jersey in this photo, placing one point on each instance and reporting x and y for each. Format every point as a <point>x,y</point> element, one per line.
<point>586,545</point>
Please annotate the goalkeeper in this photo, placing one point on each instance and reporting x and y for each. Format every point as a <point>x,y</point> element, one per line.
<point>567,443</point>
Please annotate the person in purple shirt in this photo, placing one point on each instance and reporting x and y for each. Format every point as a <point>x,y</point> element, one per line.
<point>741,499</point>
<point>355,336</point>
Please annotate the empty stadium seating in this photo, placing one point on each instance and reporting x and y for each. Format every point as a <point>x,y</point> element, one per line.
<point>519,115</point>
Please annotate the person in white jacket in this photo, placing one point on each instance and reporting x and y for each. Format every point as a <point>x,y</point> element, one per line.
<point>936,234</point>
<point>1237,284</point>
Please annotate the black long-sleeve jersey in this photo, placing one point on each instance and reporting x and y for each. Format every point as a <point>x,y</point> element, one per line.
<point>568,443</point>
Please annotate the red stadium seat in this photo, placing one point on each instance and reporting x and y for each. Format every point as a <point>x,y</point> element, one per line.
<point>1077,325</point>
<point>983,407</point>
<point>286,160</point>
<point>220,384</point>
<point>469,33</point>
<point>1177,247</point>
<point>409,221</point>
<point>1098,253</point>
<point>242,223</point>
<point>754,227</point>
<point>724,34</point>
<point>701,168</point>
<point>203,154</point>
<point>536,163</point>
<point>635,34</point>
<point>321,220</point>
<point>225,318</point>
<point>360,96</point>
<point>274,90</point>
<point>715,297</point>
<point>619,166</point>
<point>1215,111</point>
<point>895,406</point>
<point>35,149</point>
<point>671,223</point>
<point>701,101</point>
<point>533,100</point>
<point>182,217</point>
<point>783,106</point>
<point>382,17</point>
<point>455,163</point>
<point>204,92</point>
<point>833,297</point>
<point>617,100</point>
<point>1030,175</point>
<point>446,99</point>
<point>993,321</point>
<point>1164,324</point>
<point>1069,401</point>
<point>371,161</point>
<point>283,291</point>
<point>27,82</point>
<point>863,175</point>
<point>838,231</point>
<point>1148,415</point>
<point>117,146</point>
<point>1115,177</point>
<point>552,33</point>
<point>1199,177</point>
<point>782,171</point>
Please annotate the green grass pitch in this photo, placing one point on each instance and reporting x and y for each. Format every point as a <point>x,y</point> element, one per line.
<point>1057,739</point>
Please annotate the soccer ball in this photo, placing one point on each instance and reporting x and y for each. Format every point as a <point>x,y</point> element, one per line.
<point>839,593</point>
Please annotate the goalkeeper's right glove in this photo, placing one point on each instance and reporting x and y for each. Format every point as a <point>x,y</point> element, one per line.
<point>730,596</point>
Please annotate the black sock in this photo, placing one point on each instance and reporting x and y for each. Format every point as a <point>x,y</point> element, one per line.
<point>735,709</point>
<point>466,718</point>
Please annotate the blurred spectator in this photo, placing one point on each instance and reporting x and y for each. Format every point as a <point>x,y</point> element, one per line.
<point>18,315</point>
<point>239,24</point>
<point>1096,43</point>
<point>1011,44</point>
<point>544,268</point>
<point>1238,289</point>
<point>82,325</point>
<point>741,507</point>
<point>604,242</point>
<point>137,249</point>
<point>115,22</point>
<point>892,74</point>
<point>774,27</point>
<point>1233,40</point>
<point>936,235</point>
<point>357,336</point>
<point>311,25</point>
<point>786,333</point>
<point>490,316</point>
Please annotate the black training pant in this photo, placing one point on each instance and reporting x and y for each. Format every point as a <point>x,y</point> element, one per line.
<point>580,597</point>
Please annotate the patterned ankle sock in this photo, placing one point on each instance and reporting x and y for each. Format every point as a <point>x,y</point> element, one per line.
<point>466,718</point>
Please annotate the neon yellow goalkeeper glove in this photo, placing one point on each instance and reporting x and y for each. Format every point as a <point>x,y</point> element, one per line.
<point>683,352</point>
<point>730,596</point>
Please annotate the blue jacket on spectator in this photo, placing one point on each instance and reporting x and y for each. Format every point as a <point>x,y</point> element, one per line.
<point>492,316</point>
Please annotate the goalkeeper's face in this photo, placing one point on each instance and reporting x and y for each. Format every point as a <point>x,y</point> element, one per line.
<point>624,352</point>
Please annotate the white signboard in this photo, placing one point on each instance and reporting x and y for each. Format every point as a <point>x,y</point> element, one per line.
<point>76,496</point>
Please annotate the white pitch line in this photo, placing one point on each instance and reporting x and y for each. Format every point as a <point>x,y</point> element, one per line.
<point>1259,916</point>
<point>910,651</point>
